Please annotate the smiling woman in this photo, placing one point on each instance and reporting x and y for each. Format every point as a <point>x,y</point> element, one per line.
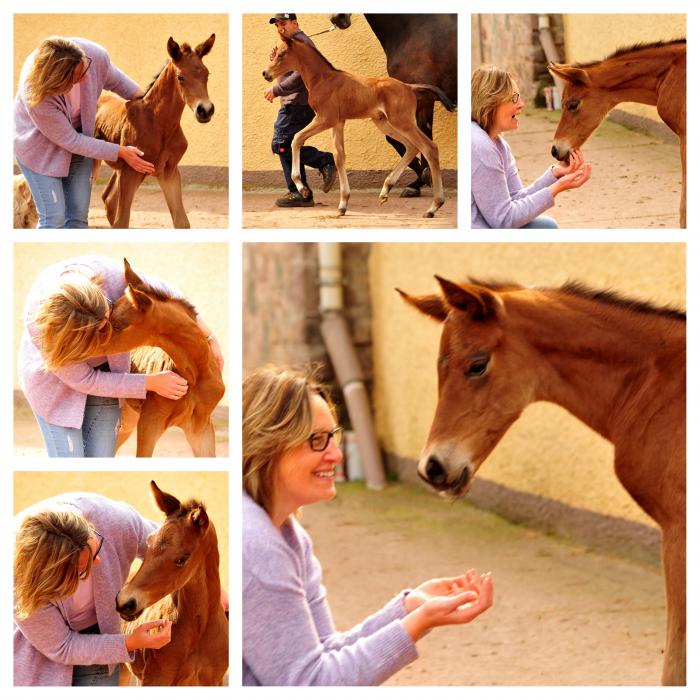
<point>499,199</point>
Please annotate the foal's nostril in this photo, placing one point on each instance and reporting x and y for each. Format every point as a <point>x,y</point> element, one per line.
<point>435,472</point>
<point>127,607</point>
<point>554,152</point>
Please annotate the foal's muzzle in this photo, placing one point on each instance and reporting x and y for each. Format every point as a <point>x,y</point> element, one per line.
<point>267,76</point>
<point>204,112</point>
<point>438,477</point>
<point>560,153</point>
<point>128,610</point>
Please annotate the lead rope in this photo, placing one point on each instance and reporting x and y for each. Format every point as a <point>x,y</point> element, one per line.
<point>332,28</point>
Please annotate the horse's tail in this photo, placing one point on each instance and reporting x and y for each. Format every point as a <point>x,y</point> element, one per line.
<point>450,106</point>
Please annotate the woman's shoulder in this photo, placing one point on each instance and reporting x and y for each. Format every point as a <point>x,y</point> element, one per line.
<point>91,48</point>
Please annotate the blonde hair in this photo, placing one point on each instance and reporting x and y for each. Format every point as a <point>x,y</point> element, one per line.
<point>277,415</point>
<point>53,69</point>
<point>47,552</point>
<point>71,321</point>
<point>491,86</point>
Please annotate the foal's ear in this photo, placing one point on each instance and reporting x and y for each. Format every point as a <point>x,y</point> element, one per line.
<point>205,47</point>
<point>166,503</point>
<point>431,304</point>
<point>173,49</point>
<point>569,74</point>
<point>139,300</point>
<point>477,302</point>
<point>200,519</point>
<point>130,276</point>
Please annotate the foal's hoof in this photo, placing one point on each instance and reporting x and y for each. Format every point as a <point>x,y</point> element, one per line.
<point>429,215</point>
<point>410,192</point>
<point>383,199</point>
<point>341,212</point>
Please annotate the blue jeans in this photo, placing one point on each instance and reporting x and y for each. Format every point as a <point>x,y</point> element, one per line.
<point>95,674</point>
<point>97,437</point>
<point>542,222</point>
<point>62,202</point>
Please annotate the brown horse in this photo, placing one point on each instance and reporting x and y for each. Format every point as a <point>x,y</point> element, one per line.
<point>617,365</point>
<point>152,123</point>
<point>145,316</point>
<point>179,581</point>
<point>653,74</point>
<point>336,96</point>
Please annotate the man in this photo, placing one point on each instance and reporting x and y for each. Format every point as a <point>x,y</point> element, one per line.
<point>295,113</point>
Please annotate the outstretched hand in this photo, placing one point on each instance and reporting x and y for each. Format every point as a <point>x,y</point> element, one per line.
<point>576,160</point>
<point>440,587</point>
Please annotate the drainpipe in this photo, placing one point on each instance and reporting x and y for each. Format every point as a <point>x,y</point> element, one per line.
<point>336,336</point>
<point>551,53</point>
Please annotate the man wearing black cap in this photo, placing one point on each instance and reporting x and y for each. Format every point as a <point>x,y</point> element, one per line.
<point>295,113</point>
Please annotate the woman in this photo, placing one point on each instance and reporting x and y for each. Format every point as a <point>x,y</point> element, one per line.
<point>290,451</point>
<point>499,199</point>
<point>72,556</point>
<point>70,384</point>
<point>54,111</point>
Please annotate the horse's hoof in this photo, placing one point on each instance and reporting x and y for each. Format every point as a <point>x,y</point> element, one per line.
<point>429,215</point>
<point>341,212</point>
<point>383,200</point>
<point>410,192</point>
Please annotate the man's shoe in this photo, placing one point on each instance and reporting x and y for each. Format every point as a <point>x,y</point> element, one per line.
<point>329,173</point>
<point>294,199</point>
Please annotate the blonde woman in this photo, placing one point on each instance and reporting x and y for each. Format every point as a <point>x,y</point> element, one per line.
<point>70,384</point>
<point>54,113</point>
<point>72,556</point>
<point>499,199</point>
<point>290,452</point>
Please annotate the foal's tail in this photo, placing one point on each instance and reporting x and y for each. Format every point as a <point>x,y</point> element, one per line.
<point>450,106</point>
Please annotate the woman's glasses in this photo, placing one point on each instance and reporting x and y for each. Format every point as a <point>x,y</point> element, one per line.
<point>319,441</point>
<point>100,541</point>
<point>516,98</point>
<point>87,68</point>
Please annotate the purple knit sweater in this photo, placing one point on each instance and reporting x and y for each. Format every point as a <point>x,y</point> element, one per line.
<point>44,137</point>
<point>59,397</point>
<point>45,646</point>
<point>288,633</point>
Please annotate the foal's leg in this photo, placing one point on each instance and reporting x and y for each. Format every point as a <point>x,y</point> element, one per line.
<point>151,427</point>
<point>673,547</point>
<point>316,127</point>
<point>171,184</point>
<point>409,154</point>
<point>683,225</point>
<point>129,421</point>
<point>129,181</point>
<point>203,443</point>
<point>110,196</point>
<point>339,145</point>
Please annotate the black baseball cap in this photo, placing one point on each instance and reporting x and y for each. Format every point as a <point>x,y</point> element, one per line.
<point>281,16</point>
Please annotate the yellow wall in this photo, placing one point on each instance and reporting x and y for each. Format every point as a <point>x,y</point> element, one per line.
<point>355,49</point>
<point>546,452</point>
<point>137,45</point>
<point>198,270</point>
<point>592,37</point>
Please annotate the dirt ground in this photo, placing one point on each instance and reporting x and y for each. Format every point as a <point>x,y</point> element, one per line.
<point>364,211</point>
<point>635,183</point>
<point>28,441</point>
<point>563,614</point>
<point>206,207</point>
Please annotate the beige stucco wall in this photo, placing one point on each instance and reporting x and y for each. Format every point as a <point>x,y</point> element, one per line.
<point>592,37</point>
<point>137,45</point>
<point>546,452</point>
<point>198,270</point>
<point>355,49</point>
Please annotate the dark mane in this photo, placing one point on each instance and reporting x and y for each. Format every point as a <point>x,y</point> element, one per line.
<point>325,60</point>
<point>634,48</point>
<point>605,296</point>
<point>190,505</point>
<point>153,81</point>
<point>162,295</point>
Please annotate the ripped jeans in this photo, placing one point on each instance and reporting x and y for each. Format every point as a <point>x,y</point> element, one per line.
<point>97,437</point>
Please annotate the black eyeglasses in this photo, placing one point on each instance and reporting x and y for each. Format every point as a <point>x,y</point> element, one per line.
<point>84,73</point>
<point>319,441</point>
<point>100,541</point>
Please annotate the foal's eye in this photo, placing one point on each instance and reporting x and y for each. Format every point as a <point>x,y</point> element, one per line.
<point>478,367</point>
<point>181,78</point>
<point>181,561</point>
<point>572,105</point>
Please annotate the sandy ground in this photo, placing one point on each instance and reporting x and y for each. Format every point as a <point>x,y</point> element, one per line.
<point>206,207</point>
<point>28,441</point>
<point>563,614</point>
<point>364,211</point>
<point>636,179</point>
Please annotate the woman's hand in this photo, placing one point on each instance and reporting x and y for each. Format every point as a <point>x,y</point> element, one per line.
<point>141,637</point>
<point>575,162</point>
<point>213,342</point>
<point>456,608</point>
<point>571,181</point>
<point>132,156</point>
<point>168,384</point>
<point>440,587</point>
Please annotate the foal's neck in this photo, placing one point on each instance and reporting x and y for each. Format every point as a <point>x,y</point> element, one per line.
<point>188,348</point>
<point>311,67</point>
<point>165,97</point>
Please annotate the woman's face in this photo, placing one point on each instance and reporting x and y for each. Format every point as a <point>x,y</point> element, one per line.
<point>304,476</point>
<point>506,116</point>
<point>89,553</point>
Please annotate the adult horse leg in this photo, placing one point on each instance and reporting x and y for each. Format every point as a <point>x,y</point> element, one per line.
<point>127,183</point>
<point>673,544</point>
<point>339,145</point>
<point>316,126</point>
<point>203,441</point>
<point>171,184</point>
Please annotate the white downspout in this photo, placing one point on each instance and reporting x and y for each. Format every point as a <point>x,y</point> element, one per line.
<point>336,336</point>
<point>550,52</point>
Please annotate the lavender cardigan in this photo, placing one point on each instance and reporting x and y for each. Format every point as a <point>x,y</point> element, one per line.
<point>59,397</point>
<point>45,646</point>
<point>288,633</point>
<point>44,137</point>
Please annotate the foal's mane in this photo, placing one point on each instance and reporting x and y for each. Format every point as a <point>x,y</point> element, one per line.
<point>325,60</point>
<point>162,295</point>
<point>153,81</point>
<point>634,48</point>
<point>603,296</point>
<point>190,505</point>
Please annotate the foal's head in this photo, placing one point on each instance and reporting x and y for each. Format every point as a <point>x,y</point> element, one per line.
<point>484,382</point>
<point>192,76</point>
<point>584,105</point>
<point>283,59</point>
<point>176,551</point>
